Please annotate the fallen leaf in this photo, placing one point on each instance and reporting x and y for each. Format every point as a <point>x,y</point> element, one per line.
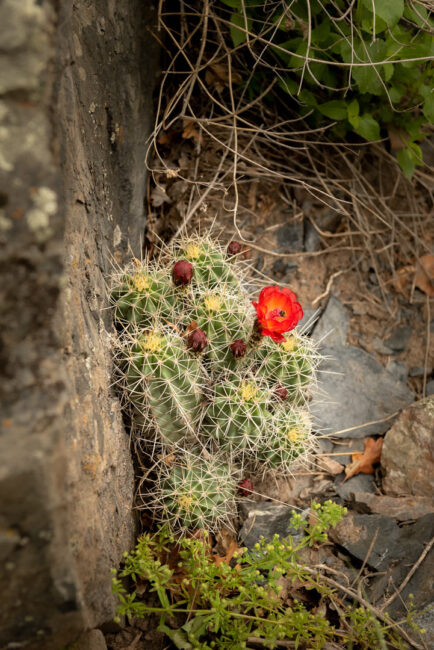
<point>225,544</point>
<point>402,279</point>
<point>159,196</point>
<point>424,276</point>
<point>190,131</point>
<point>193,325</point>
<point>217,75</point>
<point>166,137</point>
<point>363,463</point>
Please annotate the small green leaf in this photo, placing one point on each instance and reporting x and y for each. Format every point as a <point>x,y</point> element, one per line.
<point>288,85</point>
<point>353,113</point>
<point>388,10</point>
<point>336,109</point>
<point>428,108</point>
<point>388,70</point>
<point>238,35</point>
<point>178,637</point>
<point>406,162</point>
<point>368,128</point>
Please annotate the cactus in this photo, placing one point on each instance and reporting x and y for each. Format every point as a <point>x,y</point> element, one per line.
<point>224,318</point>
<point>239,416</point>
<point>163,383</point>
<point>289,365</point>
<point>289,438</point>
<point>143,295</point>
<point>194,491</point>
<point>212,267</point>
<point>200,386</point>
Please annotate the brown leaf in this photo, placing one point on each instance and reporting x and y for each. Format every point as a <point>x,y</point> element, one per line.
<point>190,131</point>
<point>402,279</point>
<point>363,463</point>
<point>226,547</point>
<point>217,75</point>
<point>191,327</point>
<point>424,276</point>
<point>166,137</point>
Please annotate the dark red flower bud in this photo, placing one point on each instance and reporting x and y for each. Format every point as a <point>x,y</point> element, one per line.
<point>182,273</point>
<point>234,248</point>
<point>238,348</point>
<point>245,487</point>
<point>281,393</point>
<point>197,340</point>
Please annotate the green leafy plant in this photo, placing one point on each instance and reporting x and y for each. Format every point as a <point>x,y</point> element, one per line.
<point>363,69</point>
<point>222,605</point>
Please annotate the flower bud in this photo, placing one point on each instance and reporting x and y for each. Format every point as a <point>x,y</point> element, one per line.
<point>281,393</point>
<point>238,348</point>
<point>234,248</point>
<point>245,487</point>
<point>197,340</point>
<point>182,273</point>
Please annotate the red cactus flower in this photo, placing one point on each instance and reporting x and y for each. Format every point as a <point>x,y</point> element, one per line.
<point>234,248</point>
<point>182,272</point>
<point>281,392</point>
<point>278,311</point>
<point>197,340</point>
<point>245,487</point>
<point>238,348</point>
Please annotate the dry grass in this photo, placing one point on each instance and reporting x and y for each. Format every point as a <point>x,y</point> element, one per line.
<point>215,153</point>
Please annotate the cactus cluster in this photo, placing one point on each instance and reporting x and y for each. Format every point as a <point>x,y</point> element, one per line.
<point>214,385</point>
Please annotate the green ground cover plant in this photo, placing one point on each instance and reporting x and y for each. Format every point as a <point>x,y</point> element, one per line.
<point>359,69</point>
<point>230,604</point>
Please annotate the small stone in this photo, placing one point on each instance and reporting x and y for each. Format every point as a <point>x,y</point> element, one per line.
<point>419,371</point>
<point>234,248</point>
<point>265,519</point>
<point>182,273</point>
<point>290,237</point>
<point>92,640</point>
<point>398,369</point>
<point>407,457</point>
<point>380,347</point>
<point>238,348</point>
<point>329,466</point>
<point>399,338</point>
<point>197,340</point>
<point>359,483</point>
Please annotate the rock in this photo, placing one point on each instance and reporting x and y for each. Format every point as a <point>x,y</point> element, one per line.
<point>358,483</point>
<point>265,519</point>
<point>289,237</point>
<point>282,267</point>
<point>354,389</point>
<point>426,621</point>
<point>329,466</point>
<point>419,371</point>
<point>332,327</point>
<point>400,508</point>
<point>398,369</point>
<point>407,458</point>
<point>430,388</point>
<point>92,640</point>
<point>312,238</point>
<point>399,338</point>
<point>380,347</point>
<point>76,109</point>
<point>382,544</point>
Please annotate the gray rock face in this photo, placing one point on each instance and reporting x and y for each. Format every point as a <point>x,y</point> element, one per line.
<point>265,519</point>
<point>289,237</point>
<point>407,457</point>
<point>75,106</point>
<point>332,327</point>
<point>355,389</point>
